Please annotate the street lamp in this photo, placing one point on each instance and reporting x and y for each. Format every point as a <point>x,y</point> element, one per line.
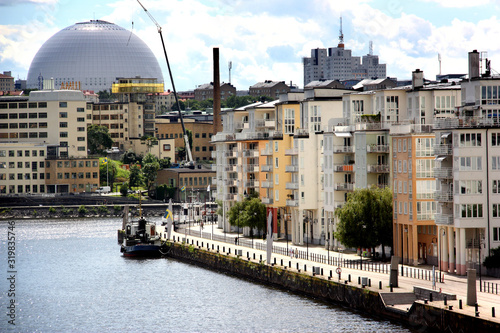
<point>306,221</point>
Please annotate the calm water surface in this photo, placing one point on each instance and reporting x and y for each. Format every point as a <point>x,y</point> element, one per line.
<point>71,277</point>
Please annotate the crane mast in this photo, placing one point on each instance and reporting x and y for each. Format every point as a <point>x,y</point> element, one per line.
<point>190,162</point>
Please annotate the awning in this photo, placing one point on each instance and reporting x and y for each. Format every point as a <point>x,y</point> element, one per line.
<point>445,135</point>
<point>440,159</point>
<point>343,134</point>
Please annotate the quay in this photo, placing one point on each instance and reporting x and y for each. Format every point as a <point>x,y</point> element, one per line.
<point>313,271</point>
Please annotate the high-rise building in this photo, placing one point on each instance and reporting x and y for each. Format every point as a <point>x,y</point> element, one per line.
<point>337,63</point>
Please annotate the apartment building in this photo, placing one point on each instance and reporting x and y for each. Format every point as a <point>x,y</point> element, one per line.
<point>269,88</point>
<point>47,128</point>
<point>6,82</point>
<point>206,91</point>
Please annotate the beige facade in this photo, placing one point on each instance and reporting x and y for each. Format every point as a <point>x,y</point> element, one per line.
<point>195,181</point>
<point>49,125</point>
<point>71,175</point>
<point>202,131</point>
<point>269,88</point>
<point>6,82</point>
<point>206,91</point>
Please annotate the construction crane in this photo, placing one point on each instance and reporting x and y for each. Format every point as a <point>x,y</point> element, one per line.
<point>189,163</point>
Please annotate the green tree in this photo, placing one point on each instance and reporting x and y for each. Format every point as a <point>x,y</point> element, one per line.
<point>181,153</point>
<point>104,94</point>
<point>493,261</point>
<point>165,163</point>
<point>129,158</point>
<point>150,167</point>
<point>124,189</point>
<point>364,220</point>
<point>250,212</point>
<point>98,139</point>
<point>135,176</point>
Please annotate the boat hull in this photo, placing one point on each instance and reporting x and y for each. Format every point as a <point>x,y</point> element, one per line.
<point>141,250</point>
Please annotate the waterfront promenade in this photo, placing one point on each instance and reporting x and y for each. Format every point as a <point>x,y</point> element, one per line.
<point>307,256</point>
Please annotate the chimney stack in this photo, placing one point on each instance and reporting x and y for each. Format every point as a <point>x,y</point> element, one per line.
<point>216,115</point>
<point>473,64</point>
<point>417,79</point>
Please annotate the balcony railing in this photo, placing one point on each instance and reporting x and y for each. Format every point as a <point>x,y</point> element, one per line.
<point>444,173</point>
<point>378,168</point>
<point>443,149</point>
<point>230,182</point>
<point>267,201</point>
<point>251,183</point>
<point>292,186</point>
<point>230,197</point>
<point>377,148</point>
<point>443,196</point>
<point>344,187</point>
<point>267,185</point>
<point>291,152</point>
<point>266,168</point>
<point>251,168</point>
<point>291,168</point>
<point>250,153</point>
<point>444,219</point>
<point>343,149</point>
<point>292,203</point>
<point>266,152</point>
<point>343,167</point>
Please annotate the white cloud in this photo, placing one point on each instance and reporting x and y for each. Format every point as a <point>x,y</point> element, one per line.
<point>460,3</point>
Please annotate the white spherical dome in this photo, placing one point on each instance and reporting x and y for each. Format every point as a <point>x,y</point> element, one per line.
<point>90,56</point>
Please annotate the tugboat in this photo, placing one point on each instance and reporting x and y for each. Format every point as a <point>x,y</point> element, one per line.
<point>139,238</point>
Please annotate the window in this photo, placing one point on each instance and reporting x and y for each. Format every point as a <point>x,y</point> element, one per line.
<point>471,210</point>
<point>425,189</point>
<point>425,168</point>
<point>166,147</point>
<point>469,187</point>
<point>276,163</point>
<point>472,163</point>
<point>63,134</point>
<point>63,104</point>
<point>276,146</point>
<point>470,140</point>
<point>424,147</point>
<point>426,210</point>
<point>63,124</point>
<point>63,115</point>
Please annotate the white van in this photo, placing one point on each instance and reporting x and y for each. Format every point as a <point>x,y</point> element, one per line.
<point>103,189</point>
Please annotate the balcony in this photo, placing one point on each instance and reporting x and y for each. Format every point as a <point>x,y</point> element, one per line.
<point>344,187</point>
<point>291,152</point>
<point>251,168</point>
<point>377,148</point>
<point>443,149</point>
<point>214,180</point>
<point>213,154</point>
<point>230,197</point>
<point>266,152</point>
<point>267,201</point>
<point>222,137</point>
<point>231,153</point>
<point>250,153</point>
<point>301,133</point>
<point>292,203</point>
<point>267,185</point>
<point>214,167</point>
<point>276,135</point>
<point>230,182</point>
<point>338,204</point>
<point>343,149</point>
<point>251,183</point>
<point>291,168</point>
<point>266,168</point>
<point>292,186</point>
<point>444,219</point>
<point>446,196</point>
<point>443,173</point>
<point>231,167</point>
<point>377,168</point>
<point>343,167</point>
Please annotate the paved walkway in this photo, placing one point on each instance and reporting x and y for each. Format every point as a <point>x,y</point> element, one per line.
<point>452,284</point>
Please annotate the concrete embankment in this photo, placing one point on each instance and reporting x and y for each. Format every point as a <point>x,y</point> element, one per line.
<point>419,317</point>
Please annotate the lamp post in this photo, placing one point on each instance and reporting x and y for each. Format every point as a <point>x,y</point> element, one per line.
<point>306,221</point>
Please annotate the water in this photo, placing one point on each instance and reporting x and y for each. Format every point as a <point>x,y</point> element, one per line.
<point>71,277</point>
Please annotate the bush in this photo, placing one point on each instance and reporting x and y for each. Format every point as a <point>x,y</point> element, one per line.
<point>52,210</point>
<point>82,210</point>
<point>117,208</point>
<point>124,190</point>
<point>103,209</point>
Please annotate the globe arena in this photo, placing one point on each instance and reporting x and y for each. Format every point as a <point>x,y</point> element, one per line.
<point>91,56</point>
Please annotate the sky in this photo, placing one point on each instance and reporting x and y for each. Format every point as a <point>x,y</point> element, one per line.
<point>267,39</point>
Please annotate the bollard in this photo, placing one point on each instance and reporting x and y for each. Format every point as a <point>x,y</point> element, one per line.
<point>290,264</point>
<point>391,287</point>
<point>460,304</point>
<point>330,273</point>
<point>426,301</point>
<point>305,268</point>
<point>493,312</point>
<point>359,279</point>
<point>281,262</point>
<point>430,297</point>
<point>297,265</point>
<point>261,257</point>
<point>402,271</point>
<point>223,249</point>
<point>476,306</point>
<point>349,277</point>
<point>369,282</point>
<point>275,261</point>
<point>254,256</point>
<point>445,300</point>
<point>450,307</point>
<point>380,285</point>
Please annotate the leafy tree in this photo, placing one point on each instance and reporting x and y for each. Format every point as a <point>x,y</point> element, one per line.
<point>165,163</point>
<point>98,139</point>
<point>181,153</point>
<point>236,214</point>
<point>149,141</point>
<point>129,158</point>
<point>366,218</point>
<point>150,167</point>
<point>135,177</point>
<point>124,189</point>
<point>165,192</point>
<point>250,212</point>
<point>181,103</point>
<point>104,94</point>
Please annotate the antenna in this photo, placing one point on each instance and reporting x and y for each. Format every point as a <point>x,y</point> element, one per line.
<point>439,60</point>
<point>230,66</point>
<point>370,50</point>
<point>130,33</point>
<point>341,35</point>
